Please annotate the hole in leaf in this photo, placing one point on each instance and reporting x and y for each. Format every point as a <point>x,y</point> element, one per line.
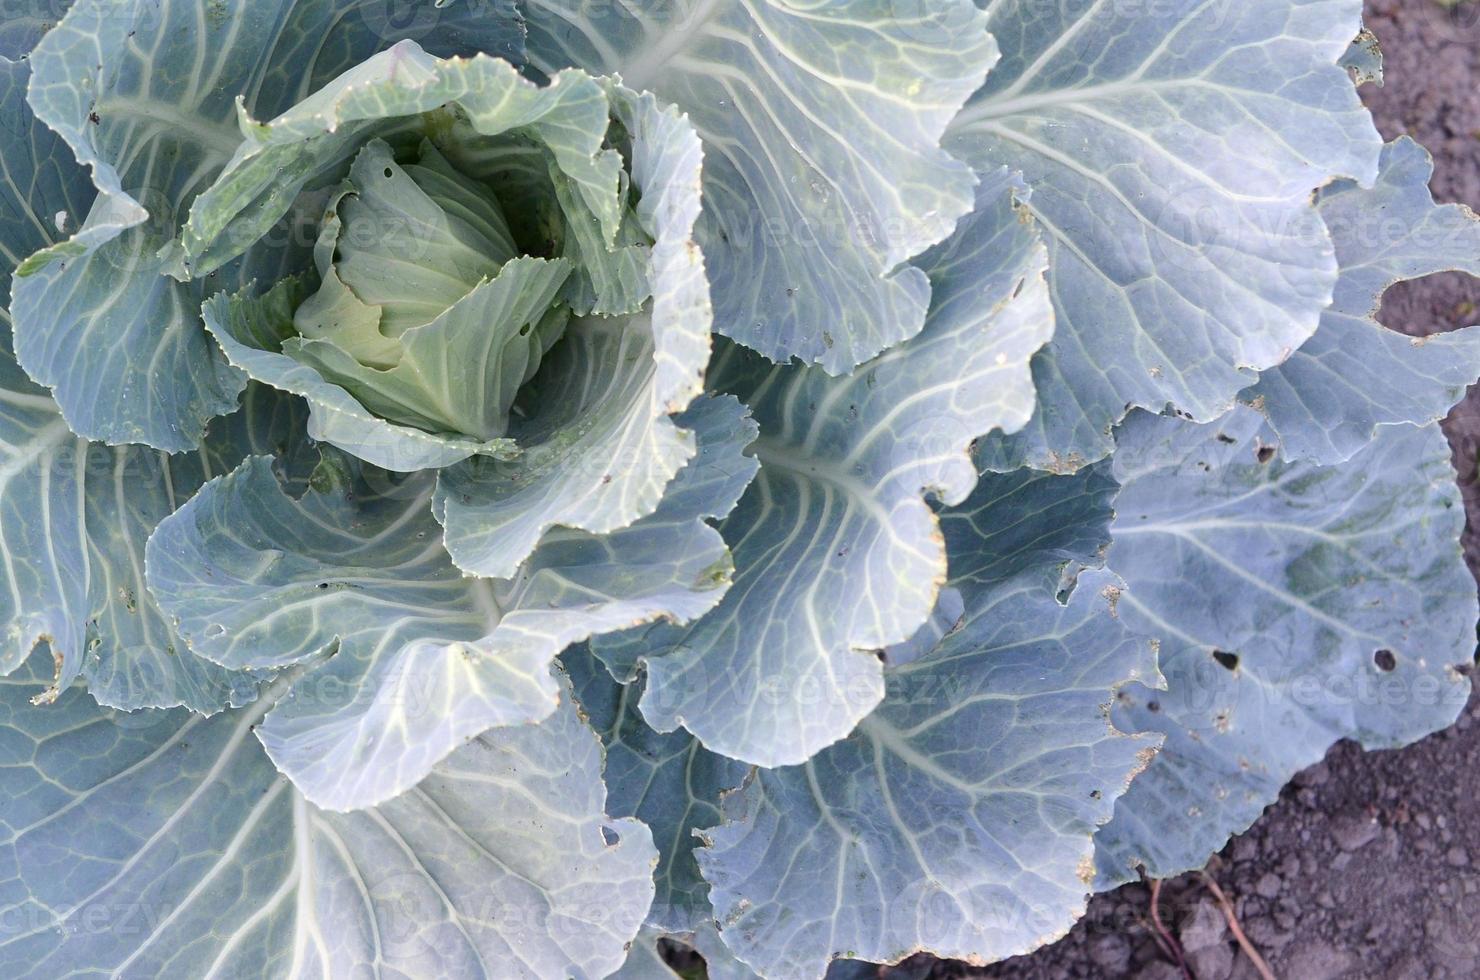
<point>1153,706</point>
<point>1431,304</point>
<point>611,837</point>
<point>1264,453</point>
<point>1385,660</point>
<point>1226,660</point>
<point>1226,439</point>
<point>389,172</point>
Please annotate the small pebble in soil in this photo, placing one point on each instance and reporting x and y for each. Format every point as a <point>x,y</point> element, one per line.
<point>1204,926</point>
<point>1354,831</point>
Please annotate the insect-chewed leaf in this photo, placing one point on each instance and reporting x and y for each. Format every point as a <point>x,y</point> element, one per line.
<point>665,779</point>
<point>1354,375</point>
<point>1295,604</point>
<point>1172,149</point>
<point>960,817</point>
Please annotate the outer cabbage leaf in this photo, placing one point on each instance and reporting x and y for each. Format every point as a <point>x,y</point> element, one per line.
<point>1172,149</point>
<point>959,818</point>
<point>146,96</point>
<point>1296,605</point>
<point>667,780</point>
<point>1354,375</point>
<point>74,520</point>
<point>407,657</point>
<point>41,186</point>
<point>25,23</point>
<point>598,444</point>
<point>822,126</point>
<point>164,844</point>
<point>837,553</point>
<point>77,514</point>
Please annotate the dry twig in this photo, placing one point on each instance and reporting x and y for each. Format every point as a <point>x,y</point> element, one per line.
<point>1164,938</point>
<point>1237,930</point>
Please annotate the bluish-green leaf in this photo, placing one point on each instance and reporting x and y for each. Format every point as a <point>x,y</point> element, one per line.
<point>959,817</point>
<point>165,845</point>
<point>837,553</point>
<point>406,658</point>
<point>821,125</point>
<point>76,516</point>
<point>1172,149</point>
<point>94,320</point>
<point>1354,375</point>
<point>43,192</point>
<point>24,24</point>
<point>79,513</point>
<point>667,780</point>
<point>1295,605</point>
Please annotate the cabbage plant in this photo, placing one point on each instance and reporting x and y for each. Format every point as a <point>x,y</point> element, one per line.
<point>492,485</point>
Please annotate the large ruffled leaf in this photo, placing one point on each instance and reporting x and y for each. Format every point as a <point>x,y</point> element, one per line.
<point>959,817</point>
<point>822,126</point>
<point>1172,149</point>
<point>1296,605</point>
<point>163,844</point>
<point>1355,375</point>
<point>406,658</point>
<point>837,552</point>
<point>74,520</point>
<point>667,780</point>
<point>146,95</point>
<point>598,445</point>
<point>119,344</point>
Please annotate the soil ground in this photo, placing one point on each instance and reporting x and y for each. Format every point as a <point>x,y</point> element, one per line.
<point>1369,864</point>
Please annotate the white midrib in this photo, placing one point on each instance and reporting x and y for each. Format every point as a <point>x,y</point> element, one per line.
<point>639,69</point>
<point>989,109</point>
